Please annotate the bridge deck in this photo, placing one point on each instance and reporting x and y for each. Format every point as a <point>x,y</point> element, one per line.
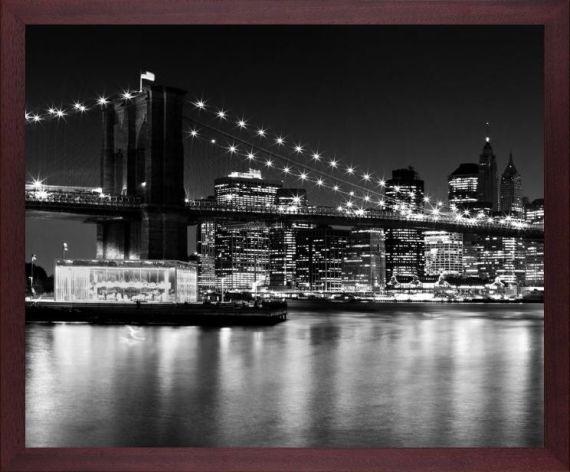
<point>92,205</point>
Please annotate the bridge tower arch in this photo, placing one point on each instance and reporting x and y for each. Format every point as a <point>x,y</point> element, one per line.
<point>143,156</point>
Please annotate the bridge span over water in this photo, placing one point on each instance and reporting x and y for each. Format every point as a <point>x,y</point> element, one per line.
<point>89,204</point>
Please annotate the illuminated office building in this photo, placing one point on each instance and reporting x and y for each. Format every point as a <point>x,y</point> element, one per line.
<point>443,253</point>
<point>206,248</point>
<point>320,255</point>
<point>405,255</point>
<point>245,189</point>
<point>512,267</point>
<point>510,194</point>
<point>242,255</point>
<point>364,265</point>
<point>463,184</point>
<point>534,249</point>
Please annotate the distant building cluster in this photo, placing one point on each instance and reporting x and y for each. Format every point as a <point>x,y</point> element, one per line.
<point>244,256</point>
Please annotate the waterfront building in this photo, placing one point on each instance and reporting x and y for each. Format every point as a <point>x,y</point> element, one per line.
<point>245,189</point>
<point>443,253</point>
<point>534,249</point>
<point>510,194</point>
<point>206,249</point>
<point>364,265</point>
<point>282,250</point>
<point>405,255</point>
<point>488,176</point>
<point>463,185</point>
<point>512,267</point>
<point>242,255</point>
<point>122,281</point>
<point>320,255</point>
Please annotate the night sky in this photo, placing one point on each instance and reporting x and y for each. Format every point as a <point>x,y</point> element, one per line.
<point>376,97</point>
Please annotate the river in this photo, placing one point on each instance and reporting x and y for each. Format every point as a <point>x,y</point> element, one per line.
<point>413,375</point>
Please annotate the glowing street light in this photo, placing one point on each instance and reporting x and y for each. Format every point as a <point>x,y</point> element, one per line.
<point>102,101</point>
<point>366,177</point>
<point>241,123</point>
<point>350,170</point>
<point>193,133</point>
<point>251,156</point>
<point>298,149</point>
<point>60,113</point>
<point>261,132</point>
<point>316,156</point>
<point>286,170</point>
<point>127,95</point>
<point>333,164</point>
<point>232,149</point>
<point>319,182</point>
<point>221,114</point>
<point>280,141</point>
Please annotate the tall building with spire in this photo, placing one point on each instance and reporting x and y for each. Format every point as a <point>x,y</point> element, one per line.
<point>488,176</point>
<point>510,200</point>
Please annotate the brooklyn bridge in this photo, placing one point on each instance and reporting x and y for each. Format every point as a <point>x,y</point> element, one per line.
<point>142,211</point>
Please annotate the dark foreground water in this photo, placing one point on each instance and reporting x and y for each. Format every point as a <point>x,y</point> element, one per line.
<point>412,375</point>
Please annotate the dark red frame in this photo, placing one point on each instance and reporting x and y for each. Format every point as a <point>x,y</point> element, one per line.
<point>553,14</point>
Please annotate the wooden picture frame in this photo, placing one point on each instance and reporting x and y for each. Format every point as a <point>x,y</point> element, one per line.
<point>552,14</point>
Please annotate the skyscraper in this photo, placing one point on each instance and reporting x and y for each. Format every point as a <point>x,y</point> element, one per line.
<point>364,265</point>
<point>463,185</point>
<point>241,249</point>
<point>320,255</point>
<point>534,249</point>
<point>443,253</point>
<point>488,176</point>
<point>405,255</point>
<point>245,189</point>
<point>511,186</point>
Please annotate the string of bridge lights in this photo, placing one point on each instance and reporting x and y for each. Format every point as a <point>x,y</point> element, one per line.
<point>76,108</point>
<point>436,211</point>
<point>350,205</point>
<point>280,142</point>
<point>299,170</point>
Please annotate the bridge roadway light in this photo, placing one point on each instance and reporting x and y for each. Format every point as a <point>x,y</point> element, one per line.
<point>102,101</point>
<point>298,149</point>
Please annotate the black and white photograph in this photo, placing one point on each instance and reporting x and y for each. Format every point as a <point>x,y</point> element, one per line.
<point>284,236</point>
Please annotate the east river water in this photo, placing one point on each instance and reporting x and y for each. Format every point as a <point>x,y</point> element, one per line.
<point>411,375</point>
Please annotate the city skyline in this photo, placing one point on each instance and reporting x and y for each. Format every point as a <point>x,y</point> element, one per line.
<point>369,124</point>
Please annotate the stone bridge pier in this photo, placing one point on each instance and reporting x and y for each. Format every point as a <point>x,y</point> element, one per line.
<point>143,156</point>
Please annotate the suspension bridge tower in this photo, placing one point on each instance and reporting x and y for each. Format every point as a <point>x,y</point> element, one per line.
<point>143,157</point>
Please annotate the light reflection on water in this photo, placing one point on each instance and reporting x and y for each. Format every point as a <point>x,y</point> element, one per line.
<point>413,376</point>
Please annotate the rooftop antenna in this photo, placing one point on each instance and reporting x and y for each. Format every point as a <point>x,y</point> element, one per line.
<point>487,131</point>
